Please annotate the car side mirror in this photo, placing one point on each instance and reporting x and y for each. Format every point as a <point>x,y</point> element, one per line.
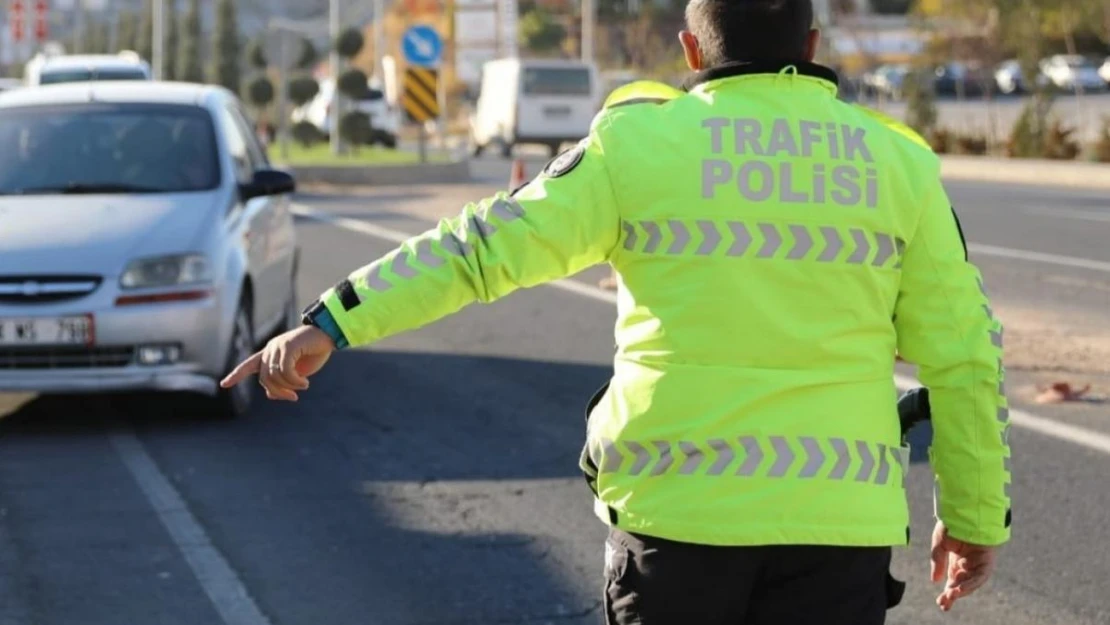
<point>267,182</point>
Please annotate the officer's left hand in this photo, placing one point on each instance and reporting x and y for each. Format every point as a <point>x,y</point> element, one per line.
<point>285,364</point>
<point>967,567</point>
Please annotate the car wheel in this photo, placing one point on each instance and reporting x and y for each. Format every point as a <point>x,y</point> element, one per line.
<point>292,317</point>
<point>231,403</point>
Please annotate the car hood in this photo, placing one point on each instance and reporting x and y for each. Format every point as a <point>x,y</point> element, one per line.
<point>87,234</point>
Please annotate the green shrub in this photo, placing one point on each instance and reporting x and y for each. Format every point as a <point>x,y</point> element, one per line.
<point>355,128</point>
<point>307,134</point>
<point>1102,147</point>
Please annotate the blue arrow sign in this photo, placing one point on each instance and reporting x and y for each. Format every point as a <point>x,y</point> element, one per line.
<point>422,46</point>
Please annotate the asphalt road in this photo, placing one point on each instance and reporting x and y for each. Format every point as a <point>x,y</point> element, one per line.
<point>433,479</point>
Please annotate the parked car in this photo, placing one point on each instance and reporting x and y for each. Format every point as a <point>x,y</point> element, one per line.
<point>886,81</point>
<point>1104,71</point>
<point>147,243</point>
<point>962,80</point>
<point>384,118</point>
<point>1072,72</point>
<point>47,69</point>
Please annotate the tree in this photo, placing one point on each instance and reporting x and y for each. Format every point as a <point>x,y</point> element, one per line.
<point>355,128</point>
<point>349,43</point>
<point>302,89</point>
<point>98,38</point>
<point>225,64</point>
<point>353,84</point>
<point>260,91</point>
<point>189,66</point>
<point>256,53</point>
<point>169,51</point>
<point>540,32</point>
<point>145,41</point>
<point>80,36</point>
<point>308,56</point>
<point>128,31</point>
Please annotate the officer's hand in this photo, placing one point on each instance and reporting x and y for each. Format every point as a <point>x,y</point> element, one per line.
<point>968,566</point>
<point>285,364</point>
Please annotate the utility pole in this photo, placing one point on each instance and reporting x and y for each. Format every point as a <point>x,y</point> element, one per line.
<point>379,37</point>
<point>333,62</point>
<point>589,22</point>
<point>79,27</point>
<point>158,38</point>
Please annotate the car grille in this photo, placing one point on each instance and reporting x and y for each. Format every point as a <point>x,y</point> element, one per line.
<point>44,289</point>
<point>65,357</point>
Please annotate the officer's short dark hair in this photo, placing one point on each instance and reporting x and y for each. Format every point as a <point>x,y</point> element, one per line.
<point>750,30</point>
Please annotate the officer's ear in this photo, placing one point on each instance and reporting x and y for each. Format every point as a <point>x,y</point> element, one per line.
<point>692,50</point>
<point>813,44</point>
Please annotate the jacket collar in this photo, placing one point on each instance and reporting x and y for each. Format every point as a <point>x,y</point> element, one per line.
<point>748,68</point>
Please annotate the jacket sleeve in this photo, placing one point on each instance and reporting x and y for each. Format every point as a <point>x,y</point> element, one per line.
<point>946,327</point>
<point>562,222</point>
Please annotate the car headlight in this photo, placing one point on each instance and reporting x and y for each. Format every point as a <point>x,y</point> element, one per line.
<point>165,271</point>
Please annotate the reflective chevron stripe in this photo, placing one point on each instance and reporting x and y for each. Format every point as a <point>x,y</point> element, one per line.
<point>430,253</point>
<point>776,457</point>
<point>762,240</point>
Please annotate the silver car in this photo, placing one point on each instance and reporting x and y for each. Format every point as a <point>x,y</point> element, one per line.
<point>145,241</point>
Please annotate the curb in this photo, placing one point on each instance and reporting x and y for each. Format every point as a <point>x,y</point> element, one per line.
<point>1069,174</point>
<point>430,173</point>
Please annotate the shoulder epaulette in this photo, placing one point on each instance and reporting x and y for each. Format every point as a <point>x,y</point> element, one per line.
<point>642,92</point>
<point>897,126</point>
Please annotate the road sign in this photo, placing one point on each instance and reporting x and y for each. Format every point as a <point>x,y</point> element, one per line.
<point>422,46</point>
<point>17,18</point>
<point>42,29</point>
<point>419,97</point>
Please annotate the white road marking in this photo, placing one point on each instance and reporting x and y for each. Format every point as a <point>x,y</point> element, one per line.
<point>220,582</point>
<point>1061,431</point>
<point>1038,257</point>
<point>1068,213</point>
<point>396,236</point>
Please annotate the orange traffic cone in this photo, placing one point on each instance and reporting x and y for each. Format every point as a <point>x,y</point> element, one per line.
<point>517,179</point>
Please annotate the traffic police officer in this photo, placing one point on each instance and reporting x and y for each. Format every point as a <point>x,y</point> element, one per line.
<point>775,248</point>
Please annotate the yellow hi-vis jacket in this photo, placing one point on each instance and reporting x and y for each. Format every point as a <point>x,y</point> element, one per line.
<point>775,248</point>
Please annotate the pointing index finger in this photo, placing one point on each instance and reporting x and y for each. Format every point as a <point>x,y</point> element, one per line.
<point>247,368</point>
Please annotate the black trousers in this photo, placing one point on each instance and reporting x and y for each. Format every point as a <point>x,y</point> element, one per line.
<point>651,581</point>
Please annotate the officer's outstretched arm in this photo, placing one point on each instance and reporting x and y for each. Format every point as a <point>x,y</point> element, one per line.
<point>562,222</point>
<point>946,326</point>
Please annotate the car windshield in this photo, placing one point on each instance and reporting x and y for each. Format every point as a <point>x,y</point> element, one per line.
<point>556,81</point>
<point>107,148</point>
<point>83,75</point>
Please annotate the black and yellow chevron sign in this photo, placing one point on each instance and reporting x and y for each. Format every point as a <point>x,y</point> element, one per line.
<point>420,94</point>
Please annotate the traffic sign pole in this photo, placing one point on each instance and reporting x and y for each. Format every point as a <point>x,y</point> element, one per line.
<point>423,50</point>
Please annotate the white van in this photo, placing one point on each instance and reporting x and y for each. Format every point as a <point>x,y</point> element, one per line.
<point>50,69</point>
<point>545,102</point>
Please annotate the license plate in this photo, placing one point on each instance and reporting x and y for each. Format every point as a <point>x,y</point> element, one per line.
<point>46,331</point>
<point>557,111</point>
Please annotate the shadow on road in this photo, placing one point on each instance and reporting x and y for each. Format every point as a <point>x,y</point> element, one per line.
<point>404,488</point>
<point>407,487</point>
